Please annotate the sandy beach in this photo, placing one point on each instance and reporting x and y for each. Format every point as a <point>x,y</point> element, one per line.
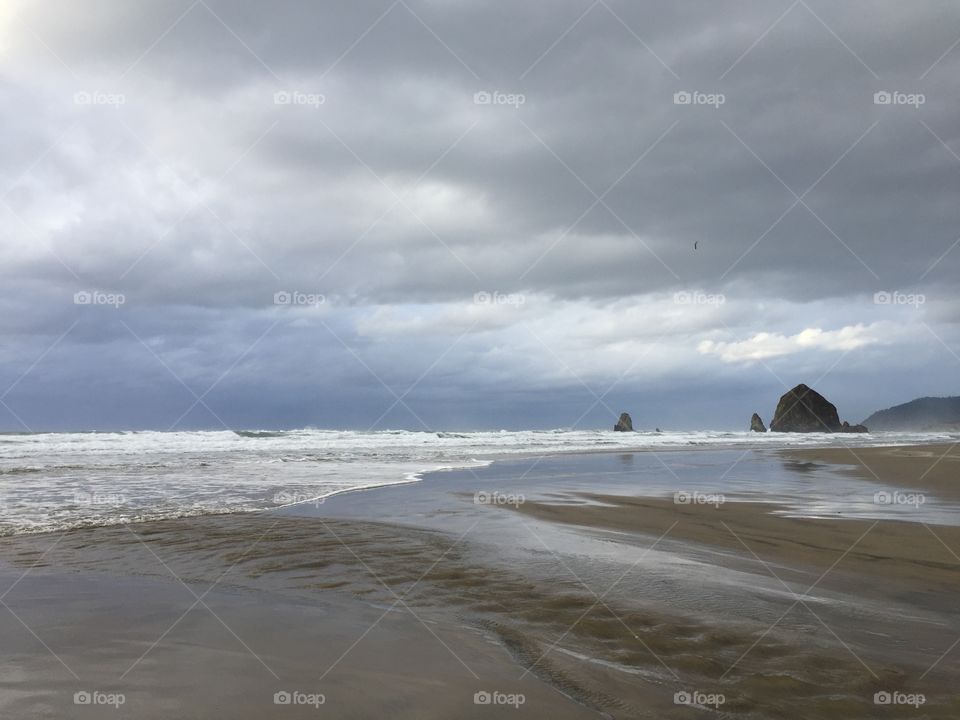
<point>583,598</point>
<point>931,468</point>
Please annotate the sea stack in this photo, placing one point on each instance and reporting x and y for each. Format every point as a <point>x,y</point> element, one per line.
<point>848,428</point>
<point>624,424</point>
<point>804,410</point>
<point>756,424</point>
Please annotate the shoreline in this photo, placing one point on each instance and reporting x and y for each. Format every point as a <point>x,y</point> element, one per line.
<point>826,454</point>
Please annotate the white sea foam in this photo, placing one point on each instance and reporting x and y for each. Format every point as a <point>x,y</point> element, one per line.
<point>51,481</point>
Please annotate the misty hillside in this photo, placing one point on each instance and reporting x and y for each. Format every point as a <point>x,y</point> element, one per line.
<point>920,414</point>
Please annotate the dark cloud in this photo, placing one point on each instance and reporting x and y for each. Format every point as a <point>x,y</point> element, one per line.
<point>148,155</point>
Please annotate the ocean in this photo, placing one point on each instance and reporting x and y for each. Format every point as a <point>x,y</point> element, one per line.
<point>58,481</point>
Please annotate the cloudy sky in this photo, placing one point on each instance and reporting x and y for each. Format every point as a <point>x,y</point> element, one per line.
<point>466,214</point>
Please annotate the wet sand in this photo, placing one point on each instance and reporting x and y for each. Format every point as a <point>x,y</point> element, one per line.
<point>889,557</point>
<point>931,468</point>
<point>909,570</point>
<point>186,650</point>
<point>405,602</point>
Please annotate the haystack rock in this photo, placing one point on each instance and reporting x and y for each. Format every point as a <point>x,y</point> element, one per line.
<point>756,424</point>
<point>805,410</point>
<point>624,424</point>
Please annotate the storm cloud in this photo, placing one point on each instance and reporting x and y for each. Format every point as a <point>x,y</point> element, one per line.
<point>433,214</point>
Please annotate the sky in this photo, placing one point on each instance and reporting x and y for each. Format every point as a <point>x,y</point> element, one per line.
<point>454,214</point>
